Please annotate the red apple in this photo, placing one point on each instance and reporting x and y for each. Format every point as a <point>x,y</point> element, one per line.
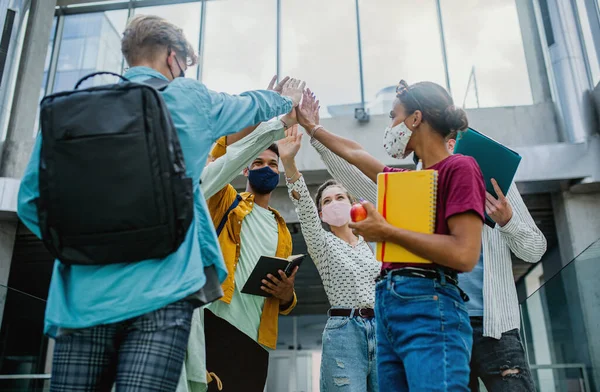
<point>358,212</point>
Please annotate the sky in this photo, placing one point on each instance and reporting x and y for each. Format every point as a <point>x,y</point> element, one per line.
<point>400,40</point>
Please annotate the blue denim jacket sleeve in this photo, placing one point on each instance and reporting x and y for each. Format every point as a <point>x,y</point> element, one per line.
<point>232,113</point>
<point>29,191</point>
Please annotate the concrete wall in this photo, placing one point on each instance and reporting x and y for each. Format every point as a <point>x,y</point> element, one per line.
<point>19,137</point>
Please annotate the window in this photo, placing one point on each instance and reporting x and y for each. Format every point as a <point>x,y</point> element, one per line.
<point>90,43</point>
<point>45,77</point>
<point>589,25</point>
<point>240,51</point>
<point>185,16</point>
<point>400,40</point>
<point>319,45</point>
<point>486,59</point>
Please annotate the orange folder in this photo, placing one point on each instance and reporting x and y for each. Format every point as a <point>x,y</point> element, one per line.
<point>407,200</point>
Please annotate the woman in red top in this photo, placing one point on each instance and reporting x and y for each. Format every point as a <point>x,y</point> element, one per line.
<point>423,330</point>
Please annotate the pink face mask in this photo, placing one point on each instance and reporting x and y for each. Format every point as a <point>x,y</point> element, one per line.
<point>336,213</point>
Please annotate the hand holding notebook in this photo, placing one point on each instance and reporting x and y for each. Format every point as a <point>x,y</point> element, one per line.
<point>495,161</point>
<point>407,200</point>
<point>270,265</point>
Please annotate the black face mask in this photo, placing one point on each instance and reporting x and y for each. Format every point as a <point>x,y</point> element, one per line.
<point>181,73</point>
<point>263,180</point>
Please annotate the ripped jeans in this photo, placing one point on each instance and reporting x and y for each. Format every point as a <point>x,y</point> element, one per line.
<point>348,362</point>
<point>501,364</point>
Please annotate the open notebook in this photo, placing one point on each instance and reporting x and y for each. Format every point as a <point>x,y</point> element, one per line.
<point>407,200</point>
<point>269,265</point>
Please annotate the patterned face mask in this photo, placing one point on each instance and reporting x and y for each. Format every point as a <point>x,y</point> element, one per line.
<point>396,139</point>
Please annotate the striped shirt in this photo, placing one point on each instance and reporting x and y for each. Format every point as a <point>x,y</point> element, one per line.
<point>520,235</point>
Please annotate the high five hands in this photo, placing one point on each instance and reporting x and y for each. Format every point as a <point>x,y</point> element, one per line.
<point>308,111</point>
<point>290,145</point>
<point>289,87</point>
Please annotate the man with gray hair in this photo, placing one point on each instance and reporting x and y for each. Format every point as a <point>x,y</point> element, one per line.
<point>128,323</point>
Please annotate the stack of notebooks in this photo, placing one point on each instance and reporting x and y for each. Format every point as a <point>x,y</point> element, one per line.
<point>406,200</point>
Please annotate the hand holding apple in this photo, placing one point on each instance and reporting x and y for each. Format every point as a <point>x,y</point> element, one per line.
<point>358,212</point>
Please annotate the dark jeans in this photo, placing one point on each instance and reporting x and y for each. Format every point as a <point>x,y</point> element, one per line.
<point>237,360</point>
<point>501,364</point>
<point>142,354</point>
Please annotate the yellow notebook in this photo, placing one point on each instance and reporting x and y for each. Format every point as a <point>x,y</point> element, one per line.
<point>407,200</point>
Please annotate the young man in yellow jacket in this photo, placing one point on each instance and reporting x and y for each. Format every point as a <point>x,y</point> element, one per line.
<point>240,329</point>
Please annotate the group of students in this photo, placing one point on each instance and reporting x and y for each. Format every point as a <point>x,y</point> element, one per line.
<point>391,327</point>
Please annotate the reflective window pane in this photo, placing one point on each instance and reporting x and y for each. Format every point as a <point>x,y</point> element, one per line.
<point>240,45</point>
<point>319,45</point>
<point>486,59</point>
<point>400,40</point>
<point>187,17</point>
<point>90,43</point>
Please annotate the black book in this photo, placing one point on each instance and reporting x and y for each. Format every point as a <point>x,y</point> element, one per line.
<point>269,265</point>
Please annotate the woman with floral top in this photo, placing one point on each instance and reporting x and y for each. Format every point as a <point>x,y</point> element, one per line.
<point>348,269</point>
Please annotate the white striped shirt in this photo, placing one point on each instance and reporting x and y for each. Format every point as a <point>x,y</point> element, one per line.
<point>520,235</point>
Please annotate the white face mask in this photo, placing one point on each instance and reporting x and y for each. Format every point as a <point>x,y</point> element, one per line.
<point>396,139</point>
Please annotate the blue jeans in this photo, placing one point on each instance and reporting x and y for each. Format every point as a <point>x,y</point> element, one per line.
<point>348,359</point>
<point>424,336</point>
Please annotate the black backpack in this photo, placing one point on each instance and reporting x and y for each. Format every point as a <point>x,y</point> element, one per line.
<point>112,179</point>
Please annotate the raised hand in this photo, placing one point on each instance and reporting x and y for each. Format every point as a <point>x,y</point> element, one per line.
<point>308,113</point>
<point>279,86</point>
<point>290,145</point>
<point>291,118</point>
<point>293,89</point>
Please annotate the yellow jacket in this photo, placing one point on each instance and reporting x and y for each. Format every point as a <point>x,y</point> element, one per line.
<point>229,239</point>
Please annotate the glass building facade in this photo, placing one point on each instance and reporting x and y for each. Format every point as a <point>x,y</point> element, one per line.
<point>352,50</point>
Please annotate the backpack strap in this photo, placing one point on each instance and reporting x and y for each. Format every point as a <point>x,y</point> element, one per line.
<point>235,203</point>
<point>158,83</point>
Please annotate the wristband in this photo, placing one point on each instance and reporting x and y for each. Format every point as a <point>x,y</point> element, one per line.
<point>314,130</point>
<point>289,179</point>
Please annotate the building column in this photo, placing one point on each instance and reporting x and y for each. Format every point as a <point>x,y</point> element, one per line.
<point>534,55</point>
<point>19,138</point>
<point>571,79</point>
<point>577,222</point>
